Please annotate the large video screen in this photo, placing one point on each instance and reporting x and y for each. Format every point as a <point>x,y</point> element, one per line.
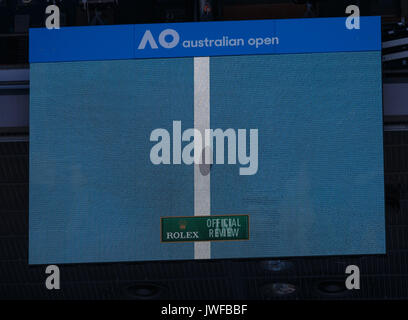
<point>213,140</point>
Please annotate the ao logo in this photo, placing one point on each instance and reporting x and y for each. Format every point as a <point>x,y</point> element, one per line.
<point>163,39</point>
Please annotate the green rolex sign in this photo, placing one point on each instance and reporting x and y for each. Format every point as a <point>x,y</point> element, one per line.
<point>205,228</point>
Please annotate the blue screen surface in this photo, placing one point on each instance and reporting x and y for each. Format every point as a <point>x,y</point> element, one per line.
<point>319,186</point>
<point>90,173</point>
<point>96,196</point>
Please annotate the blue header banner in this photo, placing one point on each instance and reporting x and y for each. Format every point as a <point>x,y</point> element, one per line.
<point>194,39</point>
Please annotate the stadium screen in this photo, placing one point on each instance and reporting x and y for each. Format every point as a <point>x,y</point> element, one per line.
<point>242,139</point>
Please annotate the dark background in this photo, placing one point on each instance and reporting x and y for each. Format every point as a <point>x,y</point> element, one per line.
<point>382,276</point>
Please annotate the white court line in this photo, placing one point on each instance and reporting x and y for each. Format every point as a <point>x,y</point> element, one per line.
<point>202,199</point>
